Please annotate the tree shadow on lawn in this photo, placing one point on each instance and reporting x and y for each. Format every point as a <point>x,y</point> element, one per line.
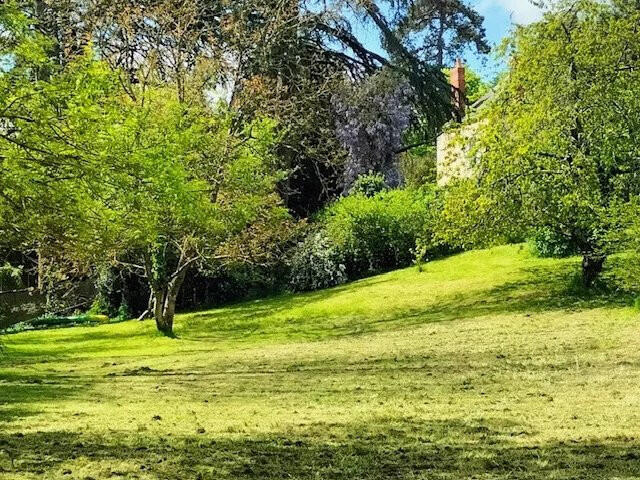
<point>87,342</point>
<point>451,449</point>
<point>540,289</point>
<point>245,316</point>
<point>23,395</point>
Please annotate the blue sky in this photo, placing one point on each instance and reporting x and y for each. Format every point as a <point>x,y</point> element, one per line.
<point>500,16</point>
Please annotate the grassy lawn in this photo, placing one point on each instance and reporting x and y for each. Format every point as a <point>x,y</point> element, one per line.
<point>484,366</point>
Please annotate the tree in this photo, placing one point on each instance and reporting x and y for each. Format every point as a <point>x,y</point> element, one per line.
<point>278,58</point>
<point>284,70</point>
<point>556,147</point>
<point>440,30</point>
<point>198,187</point>
<point>140,176</point>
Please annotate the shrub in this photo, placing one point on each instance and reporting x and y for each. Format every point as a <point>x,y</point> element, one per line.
<point>369,185</point>
<point>360,235</point>
<point>10,277</point>
<point>123,312</point>
<point>109,292</point>
<point>5,313</point>
<point>99,306</point>
<point>315,264</point>
<point>548,243</point>
<point>374,234</point>
<point>52,321</point>
<point>418,166</point>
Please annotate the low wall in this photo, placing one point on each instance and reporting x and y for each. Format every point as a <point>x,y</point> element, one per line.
<point>19,306</point>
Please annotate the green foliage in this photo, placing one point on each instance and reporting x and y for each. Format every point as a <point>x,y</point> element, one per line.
<point>418,166</point>
<point>100,306</point>
<point>466,218</point>
<point>123,313</point>
<point>53,321</point>
<point>548,243</point>
<point>361,235</point>
<point>623,235</point>
<point>10,277</point>
<point>556,145</point>
<point>108,294</point>
<point>476,86</point>
<point>379,233</point>
<point>440,30</point>
<point>636,304</point>
<point>110,300</point>
<point>92,173</point>
<point>369,185</point>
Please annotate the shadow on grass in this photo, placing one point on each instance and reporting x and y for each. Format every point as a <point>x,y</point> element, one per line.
<point>542,289</point>
<point>385,450</point>
<point>74,344</point>
<point>552,287</point>
<point>243,314</point>
<point>24,395</point>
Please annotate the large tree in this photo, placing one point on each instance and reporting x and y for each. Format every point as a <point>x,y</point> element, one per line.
<point>557,146</point>
<point>439,30</point>
<point>274,57</point>
<point>139,176</point>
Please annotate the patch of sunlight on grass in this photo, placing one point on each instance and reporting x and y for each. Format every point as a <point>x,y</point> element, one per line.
<point>483,366</point>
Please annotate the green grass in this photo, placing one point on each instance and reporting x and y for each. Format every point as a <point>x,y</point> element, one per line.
<point>485,366</point>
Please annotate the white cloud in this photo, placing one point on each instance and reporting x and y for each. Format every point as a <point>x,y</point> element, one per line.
<point>522,11</point>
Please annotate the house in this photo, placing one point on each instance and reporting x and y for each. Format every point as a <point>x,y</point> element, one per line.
<point>454,146</point>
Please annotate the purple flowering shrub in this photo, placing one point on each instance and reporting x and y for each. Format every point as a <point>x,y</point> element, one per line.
<point>371,121</point>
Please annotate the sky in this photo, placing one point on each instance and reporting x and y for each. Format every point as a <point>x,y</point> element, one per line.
<point>499,18</point>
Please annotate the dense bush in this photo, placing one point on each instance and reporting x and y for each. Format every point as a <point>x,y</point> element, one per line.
<point>10,277</point>
<point>233,283</point>
<point>316,263</point>
<point>374,234</point>
<point>418,166</point>
<point>547,243</point>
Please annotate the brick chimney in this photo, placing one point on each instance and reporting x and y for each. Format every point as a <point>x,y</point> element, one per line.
<point>459,84</point>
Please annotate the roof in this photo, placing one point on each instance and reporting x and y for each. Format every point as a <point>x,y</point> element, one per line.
<point>478,103</point>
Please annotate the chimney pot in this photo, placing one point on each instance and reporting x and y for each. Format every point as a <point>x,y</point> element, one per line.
<point>459,86</point>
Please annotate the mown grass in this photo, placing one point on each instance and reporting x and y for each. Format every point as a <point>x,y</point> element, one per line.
<point>486,366</point>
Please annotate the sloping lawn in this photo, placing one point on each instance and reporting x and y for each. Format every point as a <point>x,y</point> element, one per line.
<point>484,366</point>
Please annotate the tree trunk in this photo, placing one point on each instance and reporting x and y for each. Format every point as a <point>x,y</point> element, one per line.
<point>165,303</point>
<point>440,45</point>
<point>166,289</point>
<point>592,266</point>
<point>40,271</point>
<point>169,313</point>
<point>165,325</point>
<point>160,299</point>
<point>150,308</point>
